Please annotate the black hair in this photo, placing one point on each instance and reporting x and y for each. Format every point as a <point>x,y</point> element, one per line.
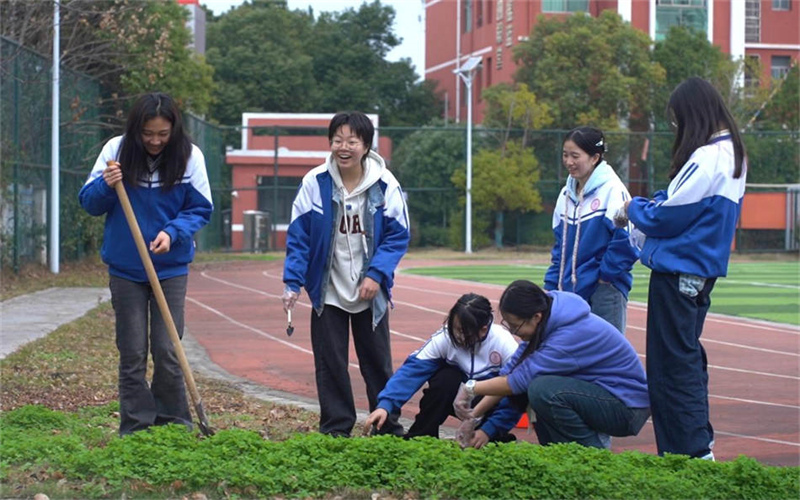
<point>699,111</point>
<point>359,124</point>
<point>589,139</point>
<point>132,155</point>
<point>524,300</point>
<point>473,312</point>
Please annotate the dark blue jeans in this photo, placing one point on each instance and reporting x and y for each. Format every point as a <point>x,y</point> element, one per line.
<point>139,328</point>
<point>677,374</point>
<point>610,304</point>
<point>573,410</point>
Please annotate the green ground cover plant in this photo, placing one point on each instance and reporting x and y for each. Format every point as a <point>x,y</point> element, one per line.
<point>73,450</point>
<point>767,290</point>
<point>58,435</point>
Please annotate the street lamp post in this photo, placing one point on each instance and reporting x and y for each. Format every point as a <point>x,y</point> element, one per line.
<point>467,73</point>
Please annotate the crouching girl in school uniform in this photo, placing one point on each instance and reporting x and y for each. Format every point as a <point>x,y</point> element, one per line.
<point>468,346</point>
<point>582,378</point>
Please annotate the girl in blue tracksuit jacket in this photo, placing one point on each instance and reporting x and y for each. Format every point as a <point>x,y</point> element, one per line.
<point>591,256</point>
<point>165,177</point>
<point>689,229</point>
<point>582,378</point>
<point>348,232</point>
<point>468,346</point>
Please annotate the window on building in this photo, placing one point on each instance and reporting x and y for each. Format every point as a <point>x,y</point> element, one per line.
<point>488,11</point>
<point>752,71</point>
<point>781,4</point>
<point>565,6</point>
<point>467,16</point>
<point>488,72</point>
<point>479,14</point>
<point>780,66</point>
<point>690,13</point>
<point>752,21</point>
<point>477,81</point>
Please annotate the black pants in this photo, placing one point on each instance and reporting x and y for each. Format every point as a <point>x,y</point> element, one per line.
<point>677,374</point>
<point>330,339</point>
<point>139,328</point>
<point>437,404</point>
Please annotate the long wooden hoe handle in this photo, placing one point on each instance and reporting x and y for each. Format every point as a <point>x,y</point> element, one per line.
<point>163,307</point>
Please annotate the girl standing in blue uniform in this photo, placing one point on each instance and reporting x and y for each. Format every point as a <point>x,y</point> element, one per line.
<point>689,229</point>
<point>165,177</point>
<point>581,377</point>
<point>348,232</point>
<point>468,346</point>
<point>591,256</point>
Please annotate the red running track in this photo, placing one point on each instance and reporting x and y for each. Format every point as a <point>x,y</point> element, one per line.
<point>234,311</point>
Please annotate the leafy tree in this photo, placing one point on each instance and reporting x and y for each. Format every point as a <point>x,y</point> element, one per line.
<point>513,111</point>
<point>300,64</point>
<point>503,180</point>
<point>349,52</point>
<point>130,46</point>
<point>589,70</point>
<point>260,61</point>
<point>424,162</point>
<point>781,110</point>
<point>684,53</point>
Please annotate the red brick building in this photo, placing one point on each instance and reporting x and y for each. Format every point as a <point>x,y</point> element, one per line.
<point>490,29</point>
<point>267,170</point>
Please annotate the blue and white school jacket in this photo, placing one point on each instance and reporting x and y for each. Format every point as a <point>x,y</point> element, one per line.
<point>315,215</point>
<point>689,227</point>
<point>179,211</point>
<point>579,344</point>
<point>602,251</point>
<point>482,362</point>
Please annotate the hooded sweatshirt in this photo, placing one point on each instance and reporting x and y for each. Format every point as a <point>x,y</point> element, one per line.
<point>588,246</point>
<point>310,248</point>
<point>349,237</point>
<point>579,344</point>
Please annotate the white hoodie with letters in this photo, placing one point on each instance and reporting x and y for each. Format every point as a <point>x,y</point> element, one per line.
<point>349,243</point>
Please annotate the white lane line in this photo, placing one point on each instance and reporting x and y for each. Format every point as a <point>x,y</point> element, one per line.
<point>248,327</point>
<point>740,370</point>
<point>724,368</point>
<point>752,401</point>
<point>272,295</point>
<point>755,438</point>
<point>636,306</point>
<point>745,436</point>
<point>731,344</point>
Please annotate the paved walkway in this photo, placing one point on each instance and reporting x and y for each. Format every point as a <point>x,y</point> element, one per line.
<point>29,317</point>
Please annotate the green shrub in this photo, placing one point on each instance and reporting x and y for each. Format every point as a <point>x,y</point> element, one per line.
<point>167,461</point>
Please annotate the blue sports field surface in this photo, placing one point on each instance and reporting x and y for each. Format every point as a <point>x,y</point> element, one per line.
<point>758,290</point>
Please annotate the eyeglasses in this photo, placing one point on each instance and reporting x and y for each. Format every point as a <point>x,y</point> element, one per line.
<point>514,330</point>
<point>352,143</point>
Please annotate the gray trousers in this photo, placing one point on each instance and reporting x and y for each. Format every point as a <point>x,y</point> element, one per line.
<point>139,329</point>
<point>330,341</point>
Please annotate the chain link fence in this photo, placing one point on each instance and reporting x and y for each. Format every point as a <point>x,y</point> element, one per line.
<point>424,159</point>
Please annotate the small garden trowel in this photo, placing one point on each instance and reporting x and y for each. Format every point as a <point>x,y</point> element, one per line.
<point>289,328</point>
